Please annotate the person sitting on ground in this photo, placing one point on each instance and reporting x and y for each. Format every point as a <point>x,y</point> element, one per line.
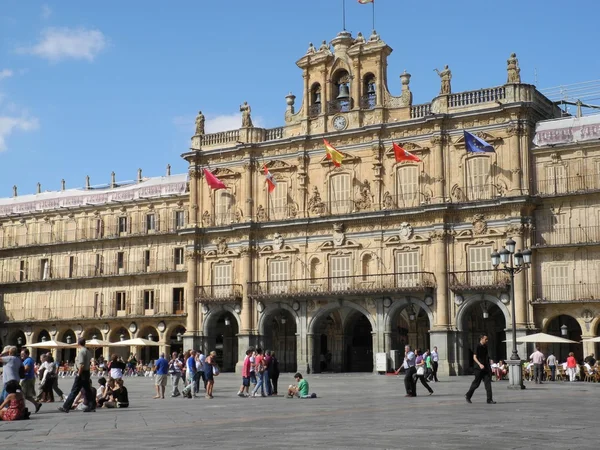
<point>106,392</point>
<point>500,370</point>
<point>13,406</point>
<point>119,397</point>
<point>301,389</point>
<point>101,388</point>
<point>81,402</point>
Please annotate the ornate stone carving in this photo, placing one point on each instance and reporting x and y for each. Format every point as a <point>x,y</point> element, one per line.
<point>515,229</point>
<point>445,77</point>
<point>315,204</point>
<point>405,231</point>
<point>191,255</point>
<point>206,218</point>
<point>200,119</point>
<point>513,70</point>
<point>194,172</point>
<point>311,50</point>
<point>338,234</point>
<point>438,235</point>
<point>292,210</point>
<point>238,216</point>
<point>277,241</point>
<point>261,214</point>
<point>246,115</point>
<point>221,245</point>
<point>388,200</point>
<point>365,199</point>
<point>479,224</point>
<point>311,305</point>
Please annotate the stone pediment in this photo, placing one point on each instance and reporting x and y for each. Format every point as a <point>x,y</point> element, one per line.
<point>400,239</point>
<point>408,146</point>
<point>348,159</point>
<point>269,249</point>
<point>279,166</point>
<point>223,172</point>
<point>215,254</point>
<point>330,245</point>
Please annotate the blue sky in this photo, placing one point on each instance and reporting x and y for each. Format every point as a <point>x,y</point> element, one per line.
<point>91,87</point>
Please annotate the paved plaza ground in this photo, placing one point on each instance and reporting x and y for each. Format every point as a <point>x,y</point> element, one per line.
<point>357,411</point>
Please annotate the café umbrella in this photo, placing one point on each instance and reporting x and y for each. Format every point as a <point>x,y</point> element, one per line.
<point>543,338</point>
<point>51,344</point>
<point>137,342</point>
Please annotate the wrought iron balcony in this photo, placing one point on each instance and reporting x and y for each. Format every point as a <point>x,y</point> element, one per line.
<point>219,293</point>
<point>314,110</point>
<point>559,293</point>
<point>368,101</point>
<point>337,106</point>
<point>547,236</point>
<point>568,185</point>
<point>387,283</point>
<point>478,280</point>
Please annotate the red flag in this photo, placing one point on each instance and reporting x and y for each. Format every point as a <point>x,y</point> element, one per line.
<point>270,180</point>
<point>403,155</point>
<point>213,182</point>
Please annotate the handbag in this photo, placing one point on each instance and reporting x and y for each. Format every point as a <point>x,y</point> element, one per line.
<point>215,371</point>
<point>420,371</point>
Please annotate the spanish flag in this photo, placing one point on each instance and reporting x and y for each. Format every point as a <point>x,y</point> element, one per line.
<point>332,154</point>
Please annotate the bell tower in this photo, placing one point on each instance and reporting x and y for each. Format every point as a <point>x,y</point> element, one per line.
<point>345,84</point>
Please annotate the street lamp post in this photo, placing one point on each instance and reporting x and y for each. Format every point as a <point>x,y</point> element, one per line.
<point>513,262</point>
<point>284,353</point>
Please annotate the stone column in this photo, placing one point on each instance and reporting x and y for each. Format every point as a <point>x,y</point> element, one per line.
<point>438,169</point>
<point>249,174</point>
<point>520,286</point>
<point>191,306</point>
<point>514,134</point>
<point>194,174</point>
<point>246,262</point>
<point>307,94</point>
<point>310,357</point>
<point>438,239</point>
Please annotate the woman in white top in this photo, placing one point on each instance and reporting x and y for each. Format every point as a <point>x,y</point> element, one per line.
<point>48,379</point>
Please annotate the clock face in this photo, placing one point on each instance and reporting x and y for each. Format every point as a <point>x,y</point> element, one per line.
<point>339,123</point>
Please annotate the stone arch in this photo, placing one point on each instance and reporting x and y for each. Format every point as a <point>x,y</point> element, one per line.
<point>148,353</point>
<point>399,305</point>
<point>215,311</point>
<point>324,312</point>
<point>171,327</point>
<point>13,338</point>
<point>222,336</point>
<point>90,332</point>
<point>470,300</point>
<point>37,335</point>
<point>270,310</point>
<point>575,326</point>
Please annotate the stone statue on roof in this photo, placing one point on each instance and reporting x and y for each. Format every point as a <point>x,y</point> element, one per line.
<point>246,115</point>
<point>446,76</point>
<point>360,39</point>
<point>324,47</point>
<point>311,49</point>
<point>200,119</point>
<point>512,67</point>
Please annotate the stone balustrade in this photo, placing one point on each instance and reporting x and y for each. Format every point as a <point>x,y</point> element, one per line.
<point>474,97</point>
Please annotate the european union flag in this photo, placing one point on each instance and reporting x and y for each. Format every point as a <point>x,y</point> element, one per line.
<point>474,144</point>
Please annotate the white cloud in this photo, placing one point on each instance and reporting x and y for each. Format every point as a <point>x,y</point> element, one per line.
<point>214,124</point>
<point>10,124</point>
<point>6,73</point>
<point>46,11</point>
<point>67,43</point>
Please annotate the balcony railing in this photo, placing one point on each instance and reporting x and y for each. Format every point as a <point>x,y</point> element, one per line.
<point>477,192</point>
<point>352,284</point>
<point>417,111</point>
<point>89,312</point>
<point>475,97</point>
<point>273,134</point>
<point>368,101</point>
<point>578,292</point>
<point>219,293</point>
<point>222,137</point>
<point>401,201</point>
<point>548,236</point>
<point>337,106</point>
<point>78,271</point>
<point>568,185</point>
<point>478,280</point>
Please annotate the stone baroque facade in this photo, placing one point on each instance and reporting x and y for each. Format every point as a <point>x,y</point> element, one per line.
<point>338,264</point>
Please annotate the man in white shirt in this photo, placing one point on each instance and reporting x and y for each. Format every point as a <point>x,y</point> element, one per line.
<point>409,370</point>
<point>434,363</point>
<point>537,358</point>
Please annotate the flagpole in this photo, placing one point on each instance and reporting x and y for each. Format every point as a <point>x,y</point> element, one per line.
<point>344,15</point>
<point>373,15</point>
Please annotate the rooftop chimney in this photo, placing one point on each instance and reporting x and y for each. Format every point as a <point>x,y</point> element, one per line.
<point>63,184</point>
<point>139,180</point>
<point>15,190</point>
<point>87,182</point>
<point>113,180</point>
<point>39,188</point>
<point>168,170</point>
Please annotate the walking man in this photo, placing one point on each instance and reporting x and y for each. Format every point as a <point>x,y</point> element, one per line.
<point>175,367</point>
<point>161,370</point>
<point>537,358</point>
<point>434,363</point>
<point>410,383</point>
<point>28,383</point>
<point>82,380</point>
<point>482,370</point>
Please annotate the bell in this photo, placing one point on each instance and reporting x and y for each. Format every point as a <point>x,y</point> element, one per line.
<point>344,92</point>
<point>317,97</point>
<point>371,88</point>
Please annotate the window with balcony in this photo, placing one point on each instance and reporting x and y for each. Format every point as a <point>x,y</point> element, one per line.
<point>178,305</point>
<point>121,302</point>
<point>22,270</point>
<point>123,222</point>
<point>556,179</point>
<point>178,257</point>
<point>478,178</point>
<point>150,223</point>
<point>407,264</point>
<point>98,269</point>
<point>278,202</point>
<point>97,228</point>
<point>148,300</point>
<point>223,207</point>
<point>480,266</point>
<point>221,280</point>
<point>278,274</point>
<point>44,269</point>
<point>407,186</point>
<point>340,194</point>
<point>559,283</point>
<point>147,261</point>
<point>339,272</point>
<point>179,219</point>
<point>121,262</point>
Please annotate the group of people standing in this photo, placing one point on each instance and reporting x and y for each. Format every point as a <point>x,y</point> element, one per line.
<point>192,366</point>
<point>419,366</point>
<point>262,370</point>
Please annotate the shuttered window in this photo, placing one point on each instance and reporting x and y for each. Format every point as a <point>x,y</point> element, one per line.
<point>407,264</point>
<point>556,179</point>
<point>559,284</point>
<point>340,194</point>
<point>407,186</point>
<point>478,178</point>
<point>278,202</point>
<point>223,207</point>
<point>222,280</point>
<point>480,261</point>
<point>278,276</point>
<point>340,271</point>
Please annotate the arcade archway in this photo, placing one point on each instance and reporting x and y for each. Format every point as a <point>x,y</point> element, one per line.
<point>222,329</point>
<point>573,330</point>
<point>119,334</point>
<point>279,335</point>
<point>148,353</point>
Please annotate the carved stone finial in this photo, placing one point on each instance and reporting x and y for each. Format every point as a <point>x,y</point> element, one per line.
<point>324,47</point>
<point>374,37</point>
<point>513,70</point>
<point>360,39</point>
<point>200,119</point>
<point>311,49</point>
<point>445,76</point>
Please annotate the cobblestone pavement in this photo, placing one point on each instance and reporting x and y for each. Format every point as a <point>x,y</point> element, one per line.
<point>361,411</point>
